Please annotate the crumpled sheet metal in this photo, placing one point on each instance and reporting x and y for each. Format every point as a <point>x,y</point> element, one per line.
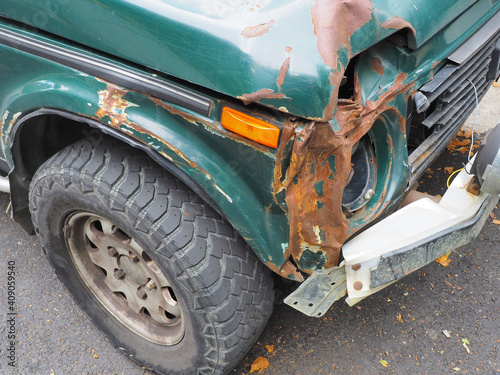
<point>320,162</point>
<point>318,172</point>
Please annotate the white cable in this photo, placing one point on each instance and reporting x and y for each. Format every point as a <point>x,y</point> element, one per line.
<point>475,121</point>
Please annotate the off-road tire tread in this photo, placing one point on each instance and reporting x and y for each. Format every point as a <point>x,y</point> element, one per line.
<point>231,286</point>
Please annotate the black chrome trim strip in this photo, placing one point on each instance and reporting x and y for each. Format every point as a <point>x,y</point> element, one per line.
<point>108,71</point>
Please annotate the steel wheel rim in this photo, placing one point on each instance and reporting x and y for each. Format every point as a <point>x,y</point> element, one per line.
<point>122,276</point>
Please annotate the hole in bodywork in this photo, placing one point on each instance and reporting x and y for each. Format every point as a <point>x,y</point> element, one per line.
<point>363,179</point>
<point>346,90</point>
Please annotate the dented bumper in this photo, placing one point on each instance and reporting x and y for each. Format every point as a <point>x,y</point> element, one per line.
<point>407,240</point>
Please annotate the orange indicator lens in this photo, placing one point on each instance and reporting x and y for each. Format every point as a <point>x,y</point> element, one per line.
<point>250,127</point>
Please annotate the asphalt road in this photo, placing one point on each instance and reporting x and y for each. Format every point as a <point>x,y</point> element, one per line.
<point>402,324</point>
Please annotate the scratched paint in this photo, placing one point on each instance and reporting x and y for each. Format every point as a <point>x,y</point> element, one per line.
<point>284,68</point>
<point>258,30</point>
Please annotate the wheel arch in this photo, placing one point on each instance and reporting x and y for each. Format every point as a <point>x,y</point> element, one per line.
<point>30,149</point>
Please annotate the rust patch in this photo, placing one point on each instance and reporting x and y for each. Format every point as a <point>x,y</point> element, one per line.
<point>254,31</point>
<point>259,95</point>
<point>112,105</point>
<point>376,65</point>
<point>284,68</point>
<point>398,23</point>
<point>319,170</point>
<point>287,270</point>
<point>334,23</point>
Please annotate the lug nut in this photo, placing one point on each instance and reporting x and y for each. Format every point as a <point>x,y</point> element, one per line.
<point>150,285</point>
<point>119,274</point>
<point>141,293</point>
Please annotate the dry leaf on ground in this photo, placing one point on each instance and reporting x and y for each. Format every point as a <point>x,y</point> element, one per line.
<point>260,364</point>
<point>270,348</point>
<point>444,261</point>
<point>448,170</point>
<point>384,363</point>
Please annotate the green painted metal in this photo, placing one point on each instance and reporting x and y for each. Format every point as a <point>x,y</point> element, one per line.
<point>214,52</point>
<point>231,172</point>
<point>201,43</point>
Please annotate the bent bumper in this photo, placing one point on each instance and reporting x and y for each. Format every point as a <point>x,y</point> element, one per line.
<point>405,241</point>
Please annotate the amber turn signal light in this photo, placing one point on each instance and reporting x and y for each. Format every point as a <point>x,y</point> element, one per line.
<point>250,127</point>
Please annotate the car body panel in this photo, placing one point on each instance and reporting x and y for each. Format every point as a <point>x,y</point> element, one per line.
<point>279,53</point>
<point>219,162</point>
<point>286,202</point>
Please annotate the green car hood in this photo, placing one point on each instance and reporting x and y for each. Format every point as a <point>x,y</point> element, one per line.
<point>289,55</point>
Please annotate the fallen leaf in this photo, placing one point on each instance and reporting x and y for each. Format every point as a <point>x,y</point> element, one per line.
<point>444,261</point>
<point>96,356</point>
<point>400,318</point>
<point>260,364</point>
<point>466,347</point>
<point>384,363</point>
<point>270,348</point>
<point>446,333</point>
<point>496,221</point>
<point>466,341</point>
<point>468,133</point>
<point>457,369</point>
<point>448,170</point>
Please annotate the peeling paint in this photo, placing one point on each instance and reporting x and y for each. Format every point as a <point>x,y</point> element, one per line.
<point>398,23</point>
<point>7,131</point>
<point>334,24</point>
<point>259,95</point>
<point>376,65</point>
<point>254,31</point>
<point>112,105</point>
<point>284,68</point>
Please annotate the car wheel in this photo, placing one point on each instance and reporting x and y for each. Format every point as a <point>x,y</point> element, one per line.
<point>166,278</point>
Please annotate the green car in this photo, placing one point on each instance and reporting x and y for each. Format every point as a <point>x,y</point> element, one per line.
<point>174,157</point>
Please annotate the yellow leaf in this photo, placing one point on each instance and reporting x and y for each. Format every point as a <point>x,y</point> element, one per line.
<point>444,261</point>
<point>400,318</point>
<point>384,363</point>
<point>496,221</point>
<point>260,364</point>
<point>270,348</point>
<point>448,170</point>
<point>96,356</point>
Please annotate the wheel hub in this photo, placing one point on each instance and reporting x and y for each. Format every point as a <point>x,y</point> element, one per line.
<point>133,270</point>
<point>123,277</point>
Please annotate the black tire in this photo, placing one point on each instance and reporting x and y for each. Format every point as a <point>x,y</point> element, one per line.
<point>214,297</point>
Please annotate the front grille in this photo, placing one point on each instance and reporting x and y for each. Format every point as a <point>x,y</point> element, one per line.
<point>451,95</point>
